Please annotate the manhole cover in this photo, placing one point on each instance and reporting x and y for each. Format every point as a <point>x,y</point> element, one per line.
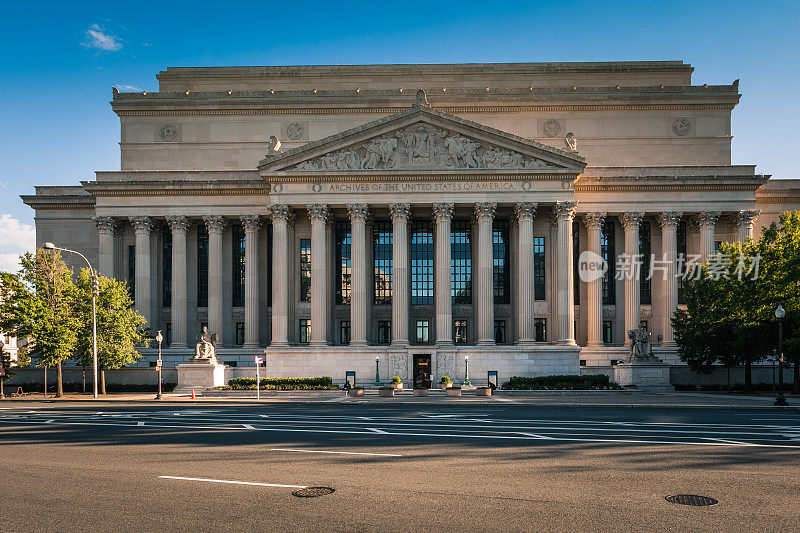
<point>691,499</point>
<point>313,492</point>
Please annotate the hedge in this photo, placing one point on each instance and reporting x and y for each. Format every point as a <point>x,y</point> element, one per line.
<point>321,383</point>
<point>590,382</point>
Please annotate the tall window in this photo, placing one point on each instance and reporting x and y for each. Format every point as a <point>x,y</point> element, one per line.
<point>238,265</point>
<point>461,262</point>
<point>382,258</point>
<point>460,331</point>
<point>132,271</point>
<point>166,266</point>
<point>644,250</point>
<point>607,250</point>
<point>384,331</point>
<point>305,331</point>
<point>576,251</point>
<point>343,263</point>
<point>540,329</point>
<point>500,331</point>
<point>239,333</point>
<point>681,249</point>
<point>608,332</point>
<point>344,332</point>
<point>500,262</point>
<point>202,266</point>
<point>538,269</point>
<point>422,254</point>
<point>423,331</point>
<point>305,270</point>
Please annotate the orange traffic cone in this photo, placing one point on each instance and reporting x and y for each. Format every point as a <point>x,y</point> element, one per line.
<point>192,394</point>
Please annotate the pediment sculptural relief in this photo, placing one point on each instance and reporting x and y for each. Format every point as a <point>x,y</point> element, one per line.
<point>422,147</point>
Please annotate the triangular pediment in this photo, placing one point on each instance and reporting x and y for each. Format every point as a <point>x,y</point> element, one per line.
<point>422,138</point>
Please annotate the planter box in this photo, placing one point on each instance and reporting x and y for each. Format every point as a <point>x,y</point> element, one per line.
<point>420,392</point>
<point>446,386</point>
<point>454,392</point>
<point>483,392</point>
<point>396,386</point>
<point>386,393</point>
<point>357,392</point>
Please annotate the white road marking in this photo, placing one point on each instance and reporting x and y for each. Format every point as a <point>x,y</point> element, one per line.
<point>728,441</point>
<point>377,430</point>
<point>534,435</point>
<point>327,451</point>
<point>139,423</point>
<point>235,482</point>
<point>248,426</point>
<point>49,421</point>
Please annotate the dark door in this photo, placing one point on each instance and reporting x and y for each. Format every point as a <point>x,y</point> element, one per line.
<point>422,371</point>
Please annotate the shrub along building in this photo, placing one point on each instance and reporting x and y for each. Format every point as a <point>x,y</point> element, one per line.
<point>327,215</point>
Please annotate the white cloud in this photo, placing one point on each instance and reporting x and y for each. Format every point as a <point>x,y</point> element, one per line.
<point>99,38</point>
<point>15,238</point>
<point>128,88</point>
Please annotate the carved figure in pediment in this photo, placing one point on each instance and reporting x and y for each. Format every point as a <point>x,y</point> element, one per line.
<point>373,154</point>
<point>388,147</point>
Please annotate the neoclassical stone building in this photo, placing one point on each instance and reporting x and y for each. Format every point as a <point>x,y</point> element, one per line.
<point>419,214</point>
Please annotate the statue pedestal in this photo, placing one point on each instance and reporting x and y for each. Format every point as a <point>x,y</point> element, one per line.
<point>200,375</point>
<point>651,375</point>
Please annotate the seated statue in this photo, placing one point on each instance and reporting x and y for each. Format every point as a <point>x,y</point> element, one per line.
<point>641,348</point>
<point>206,347</point>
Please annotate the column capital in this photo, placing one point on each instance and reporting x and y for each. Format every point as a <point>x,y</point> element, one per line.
<point>142,224</point>
<point>707,219</point>
<point>631,220</point>
<point>251,222</point>
<point>485,211</point>
<point>215,223</point>
<point>318,212</point>
<point>106,224</point>
<point>553,219</point>
<point>669,219</point>
<point>443,212</point>
<point>179,223</point>
<point>400,212</point>
<point>594,221</point>
<point>565,210</point>
<point>745,218</point>
<point>280,213</point>
<point>358,212</point>
<point>525,210</point>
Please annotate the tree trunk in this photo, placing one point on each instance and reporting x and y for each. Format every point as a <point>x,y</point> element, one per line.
<point>60,384</point>
<point>102,381</point>
<point>796,387</point>
<point>748,376</point>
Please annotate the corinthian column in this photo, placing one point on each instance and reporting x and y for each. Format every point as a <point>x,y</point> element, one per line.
<point>444,303</point>
<point>743,220</point>
<point>669,244</point>
<point>484,287</point>
<point>106,227</point>
<point>143,226</point>
<point>281,218</point>
<point>215,225</point>
<point>251,225</point>
<point>566,295</point>
<point>594,287</point>
<point>179,226</point>
<point>525,212</point>
<point>318,213</point>
<point>552,276</point>
<point>359,286</point>
<point>400,292</point>
<point>632,272</point>
<point>707,223</point>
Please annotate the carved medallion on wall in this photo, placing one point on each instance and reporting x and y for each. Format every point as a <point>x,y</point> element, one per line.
<point>681,127</point>
<point>168,132</point>
<point>552,127</point>
<point>399,365</point>
<point>295,131</point>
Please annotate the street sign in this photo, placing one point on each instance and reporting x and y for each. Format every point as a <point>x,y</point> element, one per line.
<point>259,360</point>
<point>2,371</point>
<point>158,364</point>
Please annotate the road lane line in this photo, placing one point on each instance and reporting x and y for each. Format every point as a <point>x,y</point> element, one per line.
<point>248,426</point>
<point>235,482</point>
<point>139,423</point>
<point>377,430</point>
<point>49,421</point>
<point>327,451</point>
<point>534,435</point>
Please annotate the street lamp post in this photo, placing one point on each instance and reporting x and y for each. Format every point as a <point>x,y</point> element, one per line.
<point>780,312</point>
<point>466,370</point>
<point>159,338</point>
<point>377,375</point>
<point>95,291</point>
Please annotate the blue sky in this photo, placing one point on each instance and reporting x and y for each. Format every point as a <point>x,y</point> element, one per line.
<point>60,60</point>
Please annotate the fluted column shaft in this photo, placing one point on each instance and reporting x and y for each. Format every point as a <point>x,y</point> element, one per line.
<point>251,224</point>
<point>215,225</point>
<point>359,286</point>
<point>631,222</point>
<point>707,223</point>
<point>444,302</point>
<point>669,244</point>
<point>106,228</point>
<point>525,212</point>
<point>594,283</point>
<point>400,275</point>
<point>484,286</point>
<point>566,295</point>
<point>318,213</point>
<point>281,217</point>
<point>179,225</point>
<point>744,224</point>
<point>552,277</point>
<point>143,226</point>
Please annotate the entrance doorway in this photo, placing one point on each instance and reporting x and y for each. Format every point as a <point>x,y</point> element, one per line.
<point>422,371</point>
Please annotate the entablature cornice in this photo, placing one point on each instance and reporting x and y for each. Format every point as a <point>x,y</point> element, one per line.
<point>177,188</point>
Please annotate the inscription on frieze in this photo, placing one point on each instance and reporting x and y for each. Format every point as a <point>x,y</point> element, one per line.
<point>420,187</point>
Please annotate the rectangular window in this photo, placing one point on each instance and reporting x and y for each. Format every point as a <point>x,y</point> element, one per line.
<point>305,331</point>
<point>576,251</point>
<point>500,262</point>
<point>644,272</point>
<point>422,254</point>
<point>166,264</point>
<point>132,272</point>
<point>384,331</point>
<point>500,331</point>
<point>423,332</point>
<point>717,244</point>
<point>239,333</point>
<point>305,270</point>
<point>460,331</point>
<point>168,333</point>
<point>382,259</point>
<point>681,249</point>
<point>344,332</point>
<point>238,265</point>
<point>202,266</point>
<point>539,269</point>
<point>540,329</point>
<point>343,262</point>
<point>461,262</point>
<point>607,250</point>
<point>608,332</point>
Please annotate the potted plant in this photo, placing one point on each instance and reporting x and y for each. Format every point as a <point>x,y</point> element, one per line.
<point>445,382</point>
<point>454,390</point>
<point>483,391</point>
<point>386,392</point>
<point>419,391</point>
<point>397,383</point>
<point>357,391</point>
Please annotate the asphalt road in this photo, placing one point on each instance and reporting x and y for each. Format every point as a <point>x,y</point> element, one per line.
<point>159,467</point>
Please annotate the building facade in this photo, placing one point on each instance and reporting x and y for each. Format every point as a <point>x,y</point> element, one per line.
<point>419,215</point>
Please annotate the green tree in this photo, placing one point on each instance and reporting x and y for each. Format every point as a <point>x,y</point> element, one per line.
<point>119,327</point>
